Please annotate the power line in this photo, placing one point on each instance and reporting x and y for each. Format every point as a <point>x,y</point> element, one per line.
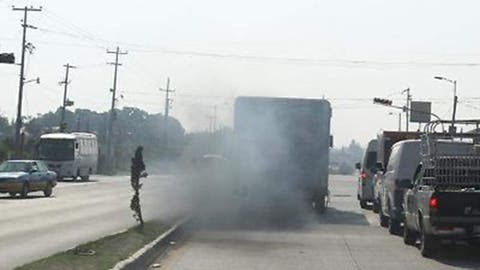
<point>140,48</point>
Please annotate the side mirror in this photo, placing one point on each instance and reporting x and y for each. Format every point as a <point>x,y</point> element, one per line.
<point>357,166</point>
<point>405,183</point>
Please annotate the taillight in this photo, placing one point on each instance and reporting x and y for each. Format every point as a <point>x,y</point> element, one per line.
<point>433,203</point>
<point>363,175</point>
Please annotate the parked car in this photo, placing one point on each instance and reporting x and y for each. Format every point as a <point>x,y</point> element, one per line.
<point>443,200</point>
<point>25,176</point>
<point>367,170</point>
<point>385,141</point>
<point>403,161</point>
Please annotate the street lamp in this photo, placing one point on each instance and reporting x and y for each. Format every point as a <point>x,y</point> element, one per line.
<point>455,100</point>
<point>37,80</point>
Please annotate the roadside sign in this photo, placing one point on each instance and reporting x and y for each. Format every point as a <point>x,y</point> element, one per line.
<point>420,112</point>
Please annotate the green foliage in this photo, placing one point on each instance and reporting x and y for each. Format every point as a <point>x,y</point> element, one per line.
<point>132,127</point>
<point>201,143</point>
<point>107,251</point>
<point>137,170</point>
<point>6,131</point>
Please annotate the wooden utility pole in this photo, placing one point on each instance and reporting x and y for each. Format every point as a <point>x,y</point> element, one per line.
<point>18,123</point>
<point>110,135</point>
<point>66,102</point>
<point>168,106</point>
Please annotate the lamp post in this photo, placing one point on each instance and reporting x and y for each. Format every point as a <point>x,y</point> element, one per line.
<point>455,100</point>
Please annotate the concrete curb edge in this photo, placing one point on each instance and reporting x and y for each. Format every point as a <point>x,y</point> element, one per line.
<point>144,256</point>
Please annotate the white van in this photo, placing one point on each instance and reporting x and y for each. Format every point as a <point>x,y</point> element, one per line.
<point>365,181</point>
<point>402,164</point>
<point>72,155</point>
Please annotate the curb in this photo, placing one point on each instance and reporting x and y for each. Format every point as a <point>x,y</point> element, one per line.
<point>145,256</point>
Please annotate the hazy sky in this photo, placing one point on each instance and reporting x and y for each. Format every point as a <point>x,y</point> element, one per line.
<point>214,50</point>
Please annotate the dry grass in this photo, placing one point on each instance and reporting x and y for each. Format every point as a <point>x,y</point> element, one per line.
<point>108,250</point>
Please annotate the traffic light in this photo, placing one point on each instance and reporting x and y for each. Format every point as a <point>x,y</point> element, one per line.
<point>7,58</point>
<point>382,101</point>
<point>69,103</point>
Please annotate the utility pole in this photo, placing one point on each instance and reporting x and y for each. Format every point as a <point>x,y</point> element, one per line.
<point>168,103</point>
<point>455,102</point>
<point>18,124</point>
<point>66,102</point>
<point>110,135</point>
<point>407,107</point>
<point>214,118</point>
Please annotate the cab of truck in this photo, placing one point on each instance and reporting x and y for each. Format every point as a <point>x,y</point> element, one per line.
<point>366,172</point>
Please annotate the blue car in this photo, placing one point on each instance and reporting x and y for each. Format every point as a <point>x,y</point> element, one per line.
<point>25,176</point>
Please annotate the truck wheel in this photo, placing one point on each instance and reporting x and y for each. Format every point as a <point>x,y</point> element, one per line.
<point>393,226</point>
<point>48,190</point>
<point>363,204</point>
<point>25,190</point>
<point>383,218</point>
<point>77,176</point>
<point>85,177</point>
<point>375,207</point>
<point>428,245</point>
<point>12,194</point>
<point>321,204</point>
<point>409,236</point>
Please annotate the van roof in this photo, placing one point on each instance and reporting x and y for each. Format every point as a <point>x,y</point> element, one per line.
<point>406,142</point>
<point>68,136</point>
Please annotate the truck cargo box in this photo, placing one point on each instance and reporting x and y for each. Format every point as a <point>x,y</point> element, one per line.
<point>284,143</point>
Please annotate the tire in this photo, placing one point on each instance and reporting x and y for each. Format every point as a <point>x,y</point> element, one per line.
<point>77,176</point>
<point>393,226</point>
<point>48,190</point>
<point>409,236</point>
<point>13,194</point>
<point>25,190</point>
<point>376,207</point>
<point>428,245</point>
<point>85,177</point>
<point>363,204</point>
<point>321,204</point>
<point>382,218</point>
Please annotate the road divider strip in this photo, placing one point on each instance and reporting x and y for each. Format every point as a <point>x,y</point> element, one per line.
<point>147,254</point>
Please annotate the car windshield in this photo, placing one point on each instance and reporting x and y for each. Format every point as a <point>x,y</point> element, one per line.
<point>56,150</point>
<point>371,159</point>
<point>10,166</point>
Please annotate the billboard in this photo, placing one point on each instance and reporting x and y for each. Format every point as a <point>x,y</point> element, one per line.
<point>420,112</point>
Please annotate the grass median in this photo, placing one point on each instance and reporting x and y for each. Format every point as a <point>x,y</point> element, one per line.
<point>103,253</point>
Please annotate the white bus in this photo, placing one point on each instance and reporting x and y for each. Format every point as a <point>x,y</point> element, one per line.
<point>70,155</point>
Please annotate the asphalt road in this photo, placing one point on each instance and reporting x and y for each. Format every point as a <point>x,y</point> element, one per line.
<point>346,237</point>
<point>79,212</point>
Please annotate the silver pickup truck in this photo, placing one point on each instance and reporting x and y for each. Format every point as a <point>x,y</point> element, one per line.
<point>443,200</point>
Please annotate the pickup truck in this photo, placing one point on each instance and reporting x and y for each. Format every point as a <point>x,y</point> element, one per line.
<point>443,200</point>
